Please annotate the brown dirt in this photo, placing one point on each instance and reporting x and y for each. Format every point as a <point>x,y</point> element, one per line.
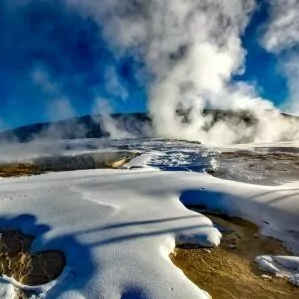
<point>120,162</point>
<point>278,156</point>
<point>28,268</point>
<point>27,169</point>
<point>16,170</point>
<point>229,272</point>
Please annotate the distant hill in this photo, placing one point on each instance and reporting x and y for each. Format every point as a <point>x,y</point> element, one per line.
<point>137,123</point>
<point>78,127</point>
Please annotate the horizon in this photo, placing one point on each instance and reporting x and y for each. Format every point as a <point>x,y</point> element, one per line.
<point>111,114</point>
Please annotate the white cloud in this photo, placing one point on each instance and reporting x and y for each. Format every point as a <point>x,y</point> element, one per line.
<point>113,85</point>
<point>283,27</point>
<point>290,67</point>
<point>281,36</point>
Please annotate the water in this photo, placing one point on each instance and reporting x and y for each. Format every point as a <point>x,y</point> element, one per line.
<point>272,165</point>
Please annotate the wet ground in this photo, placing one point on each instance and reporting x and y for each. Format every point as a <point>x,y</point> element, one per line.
<point>66,163</point>
<point>262,166</point>
<point>256,165</point>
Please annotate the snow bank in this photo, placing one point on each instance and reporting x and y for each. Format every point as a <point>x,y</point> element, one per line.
<point>281,266</point>
<point>274,209</point>
<point>117,227</point>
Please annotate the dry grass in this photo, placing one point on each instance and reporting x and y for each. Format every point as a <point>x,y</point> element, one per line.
<point>121,161</point>
<point>276,156</point>
<point>28,268</point>
<point>229,272</point>
<point>18,169</point>
<point>38,167</point>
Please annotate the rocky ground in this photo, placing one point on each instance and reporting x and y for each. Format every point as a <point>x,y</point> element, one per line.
<point>257,167</point>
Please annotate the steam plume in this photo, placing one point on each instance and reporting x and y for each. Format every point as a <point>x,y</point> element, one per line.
<point>282,38</point>
<point>191,50</point>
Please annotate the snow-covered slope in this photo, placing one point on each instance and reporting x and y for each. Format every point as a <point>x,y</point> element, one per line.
<point>117,227</point>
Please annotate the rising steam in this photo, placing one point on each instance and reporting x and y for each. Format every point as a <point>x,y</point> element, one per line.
<point>191,50</point>
<point>282,39</point>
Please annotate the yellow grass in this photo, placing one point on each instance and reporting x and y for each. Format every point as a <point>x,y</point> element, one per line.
<point>229,272</point>
<point>28,268</point>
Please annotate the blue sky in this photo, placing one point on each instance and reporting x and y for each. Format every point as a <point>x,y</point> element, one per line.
<point>262,67</point>
<point>46,42</point>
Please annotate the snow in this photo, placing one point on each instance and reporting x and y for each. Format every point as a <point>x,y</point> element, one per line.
<point>142,161</point>
<point>281,266</point>
<point>274,209</point>
<point>118,227</point>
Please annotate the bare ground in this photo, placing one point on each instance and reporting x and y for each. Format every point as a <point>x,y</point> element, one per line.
<point>18,169</point>
<point>26,267</point>
<point>67,163</point>
<point>229,272</point>
<point>264,168</point>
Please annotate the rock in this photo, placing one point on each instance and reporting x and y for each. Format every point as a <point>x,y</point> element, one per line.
<point>266,276</point>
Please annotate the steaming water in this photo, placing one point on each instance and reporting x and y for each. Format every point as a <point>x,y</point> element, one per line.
<point>270,165</point>
<point>265,166</point>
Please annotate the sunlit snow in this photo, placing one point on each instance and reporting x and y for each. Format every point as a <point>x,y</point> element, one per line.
<point>118,227</point>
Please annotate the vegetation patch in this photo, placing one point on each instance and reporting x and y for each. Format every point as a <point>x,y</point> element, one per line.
<point>229,271</point>
<point>19,169</point>
<point>67,163</point>
<point>26,267</point>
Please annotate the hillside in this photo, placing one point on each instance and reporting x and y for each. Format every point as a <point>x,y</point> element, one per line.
<point>74,128</point>
<point>138,124</point>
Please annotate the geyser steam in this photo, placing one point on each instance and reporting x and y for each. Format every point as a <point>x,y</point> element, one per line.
<point>191,50</point>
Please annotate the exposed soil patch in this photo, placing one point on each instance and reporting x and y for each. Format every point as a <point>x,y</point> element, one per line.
<point>265,168</point>
<point>26,267</point>
<point>15,170</point>
<point>67,163</point>
<point>278,156</point>
<point>229,271</point>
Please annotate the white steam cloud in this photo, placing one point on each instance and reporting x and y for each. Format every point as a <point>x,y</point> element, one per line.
<point>283,28</point>
<point>114,86</point>
<point>192,49</point>
<point>102,114</point>
<point>282,39</point>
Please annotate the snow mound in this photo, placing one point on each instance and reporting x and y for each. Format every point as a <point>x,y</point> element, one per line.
<point>281,266</point>
<point>116,228</point>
